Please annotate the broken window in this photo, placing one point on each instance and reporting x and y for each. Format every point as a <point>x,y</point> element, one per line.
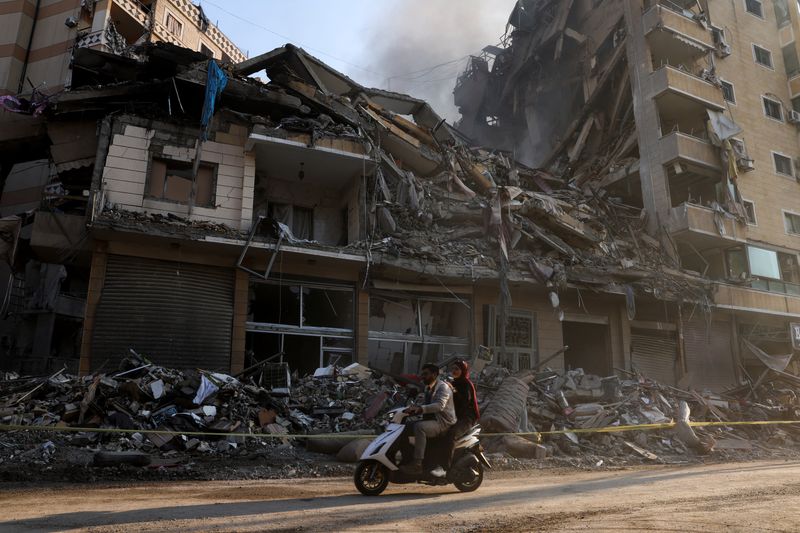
<point>772,108</point>
<point>783,164</point>
<point>172,181</point>
<point>300,220</point>
<point>206,51</point>
<point>767,270</point>
<point>750,212</point>
<point>754,7</point>
<point>781,8</point>
<point>792,223</point>
<point>406,332</point>
<point>521,340</point>
<point>736,260</point>
<point>309,324</point>
<point>762,56</point>
<point>790,61</point>
<point>727,92</point>
<point>790,269</point>
<point>173,25</point>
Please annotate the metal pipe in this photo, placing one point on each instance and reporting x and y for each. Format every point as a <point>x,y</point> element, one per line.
<point>28,51</point>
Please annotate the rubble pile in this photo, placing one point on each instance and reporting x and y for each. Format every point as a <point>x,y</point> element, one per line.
<point>141,396</point>
<point>573,402</point>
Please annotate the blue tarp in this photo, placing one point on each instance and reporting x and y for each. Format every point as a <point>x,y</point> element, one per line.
<point>217,80</point>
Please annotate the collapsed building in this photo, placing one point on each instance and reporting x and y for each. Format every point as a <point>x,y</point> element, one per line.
<point>688,110</point>
<point>207,219</point>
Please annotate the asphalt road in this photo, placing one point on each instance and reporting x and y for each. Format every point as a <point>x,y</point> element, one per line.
<point>760,496</point>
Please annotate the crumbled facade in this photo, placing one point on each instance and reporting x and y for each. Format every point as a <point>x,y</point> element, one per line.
<point>687,110</point>
<point>211,220</point>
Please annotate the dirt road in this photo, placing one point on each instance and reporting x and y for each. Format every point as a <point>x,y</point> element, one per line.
<point>762,496</point>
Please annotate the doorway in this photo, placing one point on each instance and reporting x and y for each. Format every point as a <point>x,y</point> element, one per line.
<point>589,347</point>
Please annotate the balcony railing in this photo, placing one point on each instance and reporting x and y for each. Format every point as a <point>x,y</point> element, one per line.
<point>775,285</point>
<point>678,145</point>
<point>95,39</point>
<point>137,10</point>
<point>669,79</point>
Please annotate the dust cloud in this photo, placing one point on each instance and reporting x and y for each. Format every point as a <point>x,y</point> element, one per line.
<point>415,35</point>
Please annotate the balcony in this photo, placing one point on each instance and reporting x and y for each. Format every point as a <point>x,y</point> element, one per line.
<point>677,146</point>
<point>745,299</point>
<point>682,30</point>
<point>95,40</point>
<point>704,228</point>
<point>678,90</point>
<point>138,11</point>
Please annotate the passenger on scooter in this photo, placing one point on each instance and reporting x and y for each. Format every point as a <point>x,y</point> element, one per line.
<point>465,398</point>
<point>438,416</point>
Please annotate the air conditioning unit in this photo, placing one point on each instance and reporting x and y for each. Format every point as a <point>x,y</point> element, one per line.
<point>745,164</point>
<point>723,48</point>
<point>794,117</point>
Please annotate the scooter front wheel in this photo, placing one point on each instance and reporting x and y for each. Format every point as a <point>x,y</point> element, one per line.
<point>473,483</point>
<point>371,478</point>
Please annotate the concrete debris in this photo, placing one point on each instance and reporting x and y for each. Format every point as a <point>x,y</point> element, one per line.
<point>143,396</point>
<point>562,402</point>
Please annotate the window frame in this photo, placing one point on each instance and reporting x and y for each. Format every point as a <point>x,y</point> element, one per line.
<point>167,15</point>
<point>771,65</point>
<point>294,208</point>
<point>322,333</point>
<point>786,213</point>
<point>204,45</point>
<point>760,16</point>
<point>775,156</point>
<point>733,91</point>
<point>419,337</point>
<point>764,100</point>
<point>214,167</point>
<point>755,214</point>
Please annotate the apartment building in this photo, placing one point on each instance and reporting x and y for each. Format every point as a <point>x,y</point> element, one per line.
<point>38,38</point>
<point>688,109</point>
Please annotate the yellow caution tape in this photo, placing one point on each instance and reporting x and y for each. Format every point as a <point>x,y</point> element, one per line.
<point>607,429</point>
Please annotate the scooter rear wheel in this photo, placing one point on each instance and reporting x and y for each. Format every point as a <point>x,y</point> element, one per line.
<point>472,484</point>
<point>371,478</point>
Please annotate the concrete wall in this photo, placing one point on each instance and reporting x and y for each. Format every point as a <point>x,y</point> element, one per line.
<point>125,176</point>
<point>770,192</point>
<point>48,62</point>
<point>191,36</point>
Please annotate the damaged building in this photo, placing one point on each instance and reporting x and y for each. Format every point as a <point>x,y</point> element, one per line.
<point>175,205</point>
<point>688,110</point>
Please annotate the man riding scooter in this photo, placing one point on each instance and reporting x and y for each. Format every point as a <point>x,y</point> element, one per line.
<point>438,412</point>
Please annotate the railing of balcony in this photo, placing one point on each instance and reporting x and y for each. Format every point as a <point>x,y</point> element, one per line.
<point>775,285</point>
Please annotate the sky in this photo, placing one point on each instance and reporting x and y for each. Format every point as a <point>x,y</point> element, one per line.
<point>412,46</point>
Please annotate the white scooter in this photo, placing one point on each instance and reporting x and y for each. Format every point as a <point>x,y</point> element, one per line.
<point>380,462</point>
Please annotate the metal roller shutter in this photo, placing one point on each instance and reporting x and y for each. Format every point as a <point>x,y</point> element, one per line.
<point>654,354</point>
<point>709,357</point>
<point>177,314</point>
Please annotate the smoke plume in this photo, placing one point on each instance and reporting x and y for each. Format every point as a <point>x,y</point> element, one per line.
<point>416,35</point>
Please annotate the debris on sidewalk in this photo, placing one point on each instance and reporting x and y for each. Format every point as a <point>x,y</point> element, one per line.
<point>147,404</point>
<point>556,403</point>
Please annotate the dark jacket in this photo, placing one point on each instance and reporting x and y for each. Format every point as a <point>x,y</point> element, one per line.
<point>464,399</point>
<point>465,396</point>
